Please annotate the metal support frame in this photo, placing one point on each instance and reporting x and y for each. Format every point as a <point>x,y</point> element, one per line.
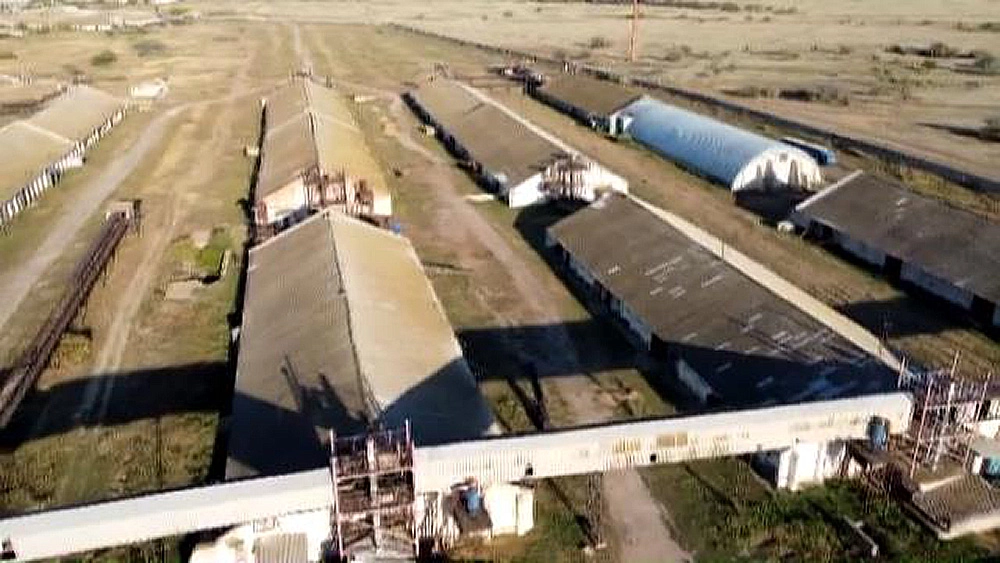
<point>373,493</point>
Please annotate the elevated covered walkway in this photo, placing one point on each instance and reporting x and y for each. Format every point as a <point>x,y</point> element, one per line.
<point>501,459</point>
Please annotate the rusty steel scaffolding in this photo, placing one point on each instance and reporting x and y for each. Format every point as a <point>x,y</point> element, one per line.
<point>373,493</point>
<point>946,409</point>
<point>35,358</point>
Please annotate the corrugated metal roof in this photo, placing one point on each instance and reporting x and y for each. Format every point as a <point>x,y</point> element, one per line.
<point>309,125</point>
<point>704,145</point>
<point>78,112</point>
<point>288,150</point>
<point>503,145</point>
<point>405,346</point>
<point>296,374</point>
<point>947,242</point>
<point>27,150</point>
<point>57,533</point>
<point>336,308</point>
<point>599,97</point>
<point>751,346</point>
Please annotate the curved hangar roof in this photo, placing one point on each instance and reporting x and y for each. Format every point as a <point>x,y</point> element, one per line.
<point>730,155</point>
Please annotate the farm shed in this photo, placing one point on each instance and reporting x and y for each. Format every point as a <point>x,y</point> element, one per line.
<point>341,328</point>
<point>720,152</point>
<point>83,115</point>
<point>943,250</point>
<point>315,156</point>
<point>586,99</point>
<point>727,341</point>
<point>508,157</point>
<point>18,97</point>
<point>40,149</point>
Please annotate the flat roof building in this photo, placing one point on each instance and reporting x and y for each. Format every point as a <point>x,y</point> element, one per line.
<point>314,156</point>
<point>509,157</point>
<point>943,250</point>
<point>341,328</point>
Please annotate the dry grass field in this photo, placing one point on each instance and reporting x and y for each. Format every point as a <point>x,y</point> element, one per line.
<point>132,404</point>
<point>833,50</point>
<point>135,405</point>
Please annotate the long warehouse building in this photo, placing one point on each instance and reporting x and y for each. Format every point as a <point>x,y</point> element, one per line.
<point>342,334</point>
<point>315,156</point>
<point>926,243</point>
<point>734,157</point>
<point>520,164</point>
<point>38,150</point>
<point>725,340</point>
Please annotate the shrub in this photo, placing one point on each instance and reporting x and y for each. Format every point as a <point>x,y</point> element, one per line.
<point>508,14</point>
<point>149,47</point>
<point>7,55</point>
<point>104,58</point>
<point>991,130</point>
<point>599,42</point>
<point>986,62</point>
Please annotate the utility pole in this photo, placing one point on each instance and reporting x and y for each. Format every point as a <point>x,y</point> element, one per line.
<point>633,36</point>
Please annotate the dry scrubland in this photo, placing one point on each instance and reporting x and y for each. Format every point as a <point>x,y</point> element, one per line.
<point>154,422</point>
<point>131,402</point>
<point>832,50</point>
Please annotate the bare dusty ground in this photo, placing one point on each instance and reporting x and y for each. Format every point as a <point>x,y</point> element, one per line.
<point>136,404</point>
<point>532,296</point>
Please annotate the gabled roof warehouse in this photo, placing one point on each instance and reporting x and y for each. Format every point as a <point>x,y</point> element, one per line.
<point>749,346</point>
<point>951,244</point>
<point>340,325</point>
<point>732,156</point>
<point>500,143</point>
<point>27,150</point>
<point>78,112</point>
<point>593,96</point>
<point>312,126</point>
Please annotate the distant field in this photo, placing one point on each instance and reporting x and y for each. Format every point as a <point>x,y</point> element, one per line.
<point>835,51</point>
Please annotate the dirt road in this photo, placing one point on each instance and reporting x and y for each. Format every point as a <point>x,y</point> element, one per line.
<point>637,519</point>
<point>15,283</point>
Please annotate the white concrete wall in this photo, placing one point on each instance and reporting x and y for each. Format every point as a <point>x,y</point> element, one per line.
<point>526,193</point>
<point>237,544</point>
<point>511,508</point>
<point>942,288</point>
<point>809,463</point>
<point>778,169</point>
<point>286,201</point>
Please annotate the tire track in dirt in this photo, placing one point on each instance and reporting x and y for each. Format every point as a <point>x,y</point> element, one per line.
<point>183,196</point>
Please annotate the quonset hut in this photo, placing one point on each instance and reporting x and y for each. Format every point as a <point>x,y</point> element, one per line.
<point>720,152</point>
